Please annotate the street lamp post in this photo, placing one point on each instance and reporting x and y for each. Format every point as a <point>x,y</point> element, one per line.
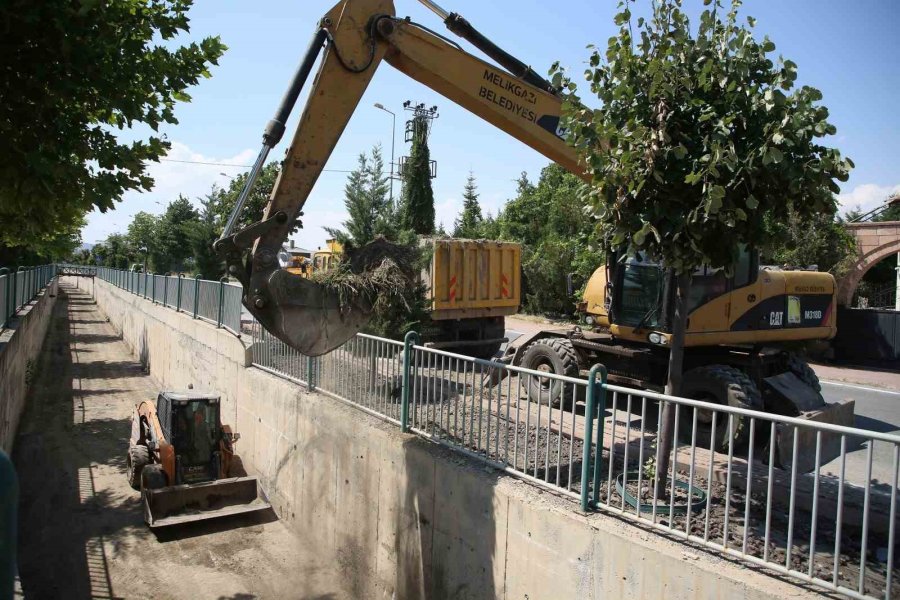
<point>380,106</point>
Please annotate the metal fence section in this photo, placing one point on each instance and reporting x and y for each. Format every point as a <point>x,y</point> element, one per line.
<point>19,287</point>
<point>218,302</point>
<point>731,488</point>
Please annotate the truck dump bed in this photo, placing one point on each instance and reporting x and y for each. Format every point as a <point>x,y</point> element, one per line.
<point>474,278</point>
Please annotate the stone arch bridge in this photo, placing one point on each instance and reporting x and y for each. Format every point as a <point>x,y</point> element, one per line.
<point>875,241</point>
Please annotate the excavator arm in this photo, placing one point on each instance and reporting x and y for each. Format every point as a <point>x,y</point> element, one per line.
<point>357,36</point>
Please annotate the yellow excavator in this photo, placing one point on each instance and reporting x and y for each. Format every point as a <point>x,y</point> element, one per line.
<point>740,326</point>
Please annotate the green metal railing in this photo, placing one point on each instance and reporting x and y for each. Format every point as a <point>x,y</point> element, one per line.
<point>217,302</point>
<point>19,287</point>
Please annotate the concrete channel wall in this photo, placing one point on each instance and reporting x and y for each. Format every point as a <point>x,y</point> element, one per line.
<point>403,517</point>
<point>20,344</point>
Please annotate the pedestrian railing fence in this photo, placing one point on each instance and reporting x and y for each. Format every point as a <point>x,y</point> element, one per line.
<point>731,487</point>
<point>19,286</point>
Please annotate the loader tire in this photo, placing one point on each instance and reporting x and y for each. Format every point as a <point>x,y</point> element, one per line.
<point>550,355</point>
<point>138,457</point>
<point>799,367</point>
<point>719,384</point>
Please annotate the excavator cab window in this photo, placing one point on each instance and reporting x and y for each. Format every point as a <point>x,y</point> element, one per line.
<point>641,287</point>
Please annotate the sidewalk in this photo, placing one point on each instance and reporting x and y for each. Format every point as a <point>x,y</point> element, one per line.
<point>886,380</point>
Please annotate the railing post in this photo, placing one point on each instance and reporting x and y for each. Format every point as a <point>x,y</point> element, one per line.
<point>9,503</point>
<point>221,300</point>
<point>15,304</point>
<point>5,315</point>
<point>596,395</point>
<point>153,290</point>
<point>411,339</point>
<point>165,296</point>
<point>310,373</point>
<point>178,293</point>
<point>196,295</point>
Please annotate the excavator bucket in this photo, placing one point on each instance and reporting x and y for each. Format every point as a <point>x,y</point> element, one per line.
<point>315,316</point>
<point>179,504</point>
<point>807,403</point>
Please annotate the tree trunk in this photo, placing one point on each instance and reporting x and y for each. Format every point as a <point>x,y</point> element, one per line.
<point>673,385</point>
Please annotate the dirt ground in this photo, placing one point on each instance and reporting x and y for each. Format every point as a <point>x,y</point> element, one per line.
<point>81,532</point>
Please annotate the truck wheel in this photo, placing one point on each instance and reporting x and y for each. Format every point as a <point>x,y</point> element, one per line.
<point>553,355</point>
<point>719,384</point>
<point>799,367</point>
<point>137,458</point>
<point>153,477</point>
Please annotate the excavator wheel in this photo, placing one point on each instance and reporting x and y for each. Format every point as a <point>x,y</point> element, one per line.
<point>138,457</point>
<point>719,384</point>
<point>799,367</point>
<point>553,355</point>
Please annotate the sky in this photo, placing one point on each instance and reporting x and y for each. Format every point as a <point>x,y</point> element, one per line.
<point>849,50</point>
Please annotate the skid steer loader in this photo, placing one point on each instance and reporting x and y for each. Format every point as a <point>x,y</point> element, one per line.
<point>182,460</point>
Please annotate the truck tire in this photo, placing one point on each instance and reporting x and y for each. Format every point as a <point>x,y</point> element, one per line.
<point>719,384</point>
<point>550,355</point>
<point>137,458</point>
<point>153,477</point>
<point>799,367</point>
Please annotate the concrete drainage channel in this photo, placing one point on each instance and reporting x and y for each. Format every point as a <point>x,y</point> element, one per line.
<point>434,508</point>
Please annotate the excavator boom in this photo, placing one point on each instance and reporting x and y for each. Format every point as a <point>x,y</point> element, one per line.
<point>355,37</point>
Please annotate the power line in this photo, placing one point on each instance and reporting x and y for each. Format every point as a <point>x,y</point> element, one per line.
<point>218,164</point>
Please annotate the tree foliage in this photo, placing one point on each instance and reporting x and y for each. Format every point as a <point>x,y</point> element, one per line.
<point>370,210</point>
<point>557,238</point>
<point>417,202</point>
<point>73,73</point>
<point>701,140</point>
<point>819,240</point>
<point>226,198</point>
<point>469,223</point>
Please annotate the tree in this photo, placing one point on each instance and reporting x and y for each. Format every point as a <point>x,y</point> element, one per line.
<point>226,199</point>
<point>203,234</point>
<point>175,227</point>
<point>366,199</point>
<point>73,73</point>
<point>417,201</point>
<point>116,252</point>
<point>557,238</point>
<point>468,225</point>
<point>820,240</point>
<point>143,236</point>
<point>701,140</point>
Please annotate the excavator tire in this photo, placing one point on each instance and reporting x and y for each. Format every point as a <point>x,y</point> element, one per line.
<point>799,367</point>
<point>553,355</point>
<point>138,457</point>
<point>725,385</point>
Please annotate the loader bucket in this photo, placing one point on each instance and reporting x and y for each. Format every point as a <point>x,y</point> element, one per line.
<point>179,504</point>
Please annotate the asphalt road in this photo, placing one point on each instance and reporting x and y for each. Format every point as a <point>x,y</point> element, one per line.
<point>876,410</point>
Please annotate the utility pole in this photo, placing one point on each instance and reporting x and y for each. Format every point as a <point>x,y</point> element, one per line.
<point>380,106</point>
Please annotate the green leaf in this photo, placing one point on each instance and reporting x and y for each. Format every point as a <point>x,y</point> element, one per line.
<point>752,202</point>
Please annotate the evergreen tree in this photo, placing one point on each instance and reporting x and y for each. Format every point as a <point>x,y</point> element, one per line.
<point>469,223</point>
<point>370,210</point>
<point>203,235</point>
<point>417,203</point>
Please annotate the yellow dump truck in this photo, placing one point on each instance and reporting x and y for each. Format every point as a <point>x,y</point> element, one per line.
<point>472,286</point>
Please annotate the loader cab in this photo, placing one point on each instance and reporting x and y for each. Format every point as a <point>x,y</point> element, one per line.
<point>191,424</point>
